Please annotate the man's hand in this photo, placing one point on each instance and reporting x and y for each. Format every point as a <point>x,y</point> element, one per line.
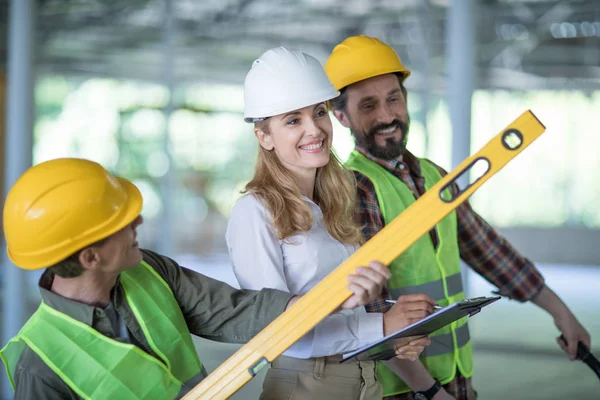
<point>573,332</point>
<point>413,349</point>
<point>366,284</point>
<point>565,321</point>
<point>407,310</point>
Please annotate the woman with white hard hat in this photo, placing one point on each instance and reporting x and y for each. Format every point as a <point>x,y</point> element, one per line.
<point>295,225</point>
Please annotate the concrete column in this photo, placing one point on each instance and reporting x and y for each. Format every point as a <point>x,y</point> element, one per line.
<point>168,183</point>
<point>18,149</point>
<point>461,80</point>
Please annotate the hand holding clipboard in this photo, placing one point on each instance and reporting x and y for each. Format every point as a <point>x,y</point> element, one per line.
<point>385,348</point>
<point>407,310</point>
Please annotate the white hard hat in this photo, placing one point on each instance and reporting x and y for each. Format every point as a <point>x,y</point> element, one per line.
<point>283,80</point>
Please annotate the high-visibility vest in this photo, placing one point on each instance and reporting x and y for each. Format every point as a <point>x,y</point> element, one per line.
<point>97,367</point>
<point>422,268</point>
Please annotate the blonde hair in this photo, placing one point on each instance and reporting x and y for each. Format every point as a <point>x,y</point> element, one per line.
<point>335,194</point>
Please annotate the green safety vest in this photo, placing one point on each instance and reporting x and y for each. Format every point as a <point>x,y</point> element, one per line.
<point>423,269</point>
<point>97,367</point>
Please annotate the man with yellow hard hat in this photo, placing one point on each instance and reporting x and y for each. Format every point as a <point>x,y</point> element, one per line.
<point>372,104</point>
<point>115,320</point>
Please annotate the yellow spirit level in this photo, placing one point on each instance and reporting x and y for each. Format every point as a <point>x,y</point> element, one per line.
<point>386,246</point>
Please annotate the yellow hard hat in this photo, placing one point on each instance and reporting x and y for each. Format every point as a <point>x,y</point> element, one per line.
<point>361,57</point>
<point>61,206</point>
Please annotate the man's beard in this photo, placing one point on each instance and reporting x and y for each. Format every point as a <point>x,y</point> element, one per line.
<point>393,148</point>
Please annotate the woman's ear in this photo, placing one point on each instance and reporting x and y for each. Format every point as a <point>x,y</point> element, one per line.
<point>264,139</point>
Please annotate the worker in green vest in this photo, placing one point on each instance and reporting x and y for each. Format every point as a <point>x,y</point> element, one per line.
<point>373,105</point>
<point>115,320</point>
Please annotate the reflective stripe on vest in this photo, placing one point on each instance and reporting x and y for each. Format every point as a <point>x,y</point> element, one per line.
<point>97,367</point>
<point>423,268</point>
<point>434,289</point>
<point>442,344</point>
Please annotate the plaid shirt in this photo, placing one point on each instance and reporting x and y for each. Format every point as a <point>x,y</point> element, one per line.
<point>481,247</point>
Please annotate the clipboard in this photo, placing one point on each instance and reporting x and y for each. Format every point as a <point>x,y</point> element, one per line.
<point>383,349</point>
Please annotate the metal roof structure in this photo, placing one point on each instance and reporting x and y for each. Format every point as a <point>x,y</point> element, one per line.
<point>520,44</point>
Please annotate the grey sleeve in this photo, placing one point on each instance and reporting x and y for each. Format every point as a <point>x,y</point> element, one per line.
<point>215,310</point>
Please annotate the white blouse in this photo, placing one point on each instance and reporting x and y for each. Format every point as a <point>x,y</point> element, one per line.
<point>296,265</point>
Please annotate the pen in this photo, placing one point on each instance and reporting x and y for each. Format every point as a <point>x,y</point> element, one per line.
<point>394,302</point>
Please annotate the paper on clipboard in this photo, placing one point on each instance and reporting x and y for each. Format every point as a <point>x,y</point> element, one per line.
<point>384,349</point>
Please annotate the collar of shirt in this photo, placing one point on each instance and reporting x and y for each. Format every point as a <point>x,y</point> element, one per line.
<point>74,309</point>
<point>408,161</point>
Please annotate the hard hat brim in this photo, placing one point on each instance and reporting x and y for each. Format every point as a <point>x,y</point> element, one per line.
<point>265,111</point>
<point>134,205</point>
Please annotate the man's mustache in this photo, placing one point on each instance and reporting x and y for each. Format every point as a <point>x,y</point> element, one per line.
<point>395,124</point>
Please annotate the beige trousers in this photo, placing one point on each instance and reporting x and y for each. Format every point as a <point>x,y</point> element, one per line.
<point>322,378</point>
